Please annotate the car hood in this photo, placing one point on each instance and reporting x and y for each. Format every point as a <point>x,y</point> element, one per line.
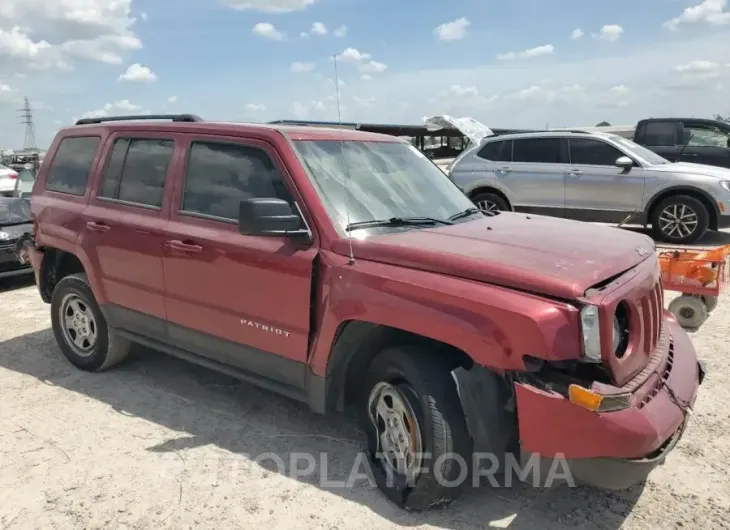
<point>686,168</point>
<point>550,256</point>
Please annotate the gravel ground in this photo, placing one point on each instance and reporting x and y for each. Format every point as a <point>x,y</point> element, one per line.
<point>157,443</point>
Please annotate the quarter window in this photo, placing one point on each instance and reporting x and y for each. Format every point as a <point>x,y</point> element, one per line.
<point>491,151</point>
<point>71,166</point>
<point>590,152</point>
<point>660,133</point>
<point>219,176</point>
<point>137,171</point>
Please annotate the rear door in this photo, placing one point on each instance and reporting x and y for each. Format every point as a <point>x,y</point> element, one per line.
<point>596,189</point>
<point>239,299</point>
<point>662,137</point>
<point>123,233</point>
<point>535,176</point>
<point>704,143</point>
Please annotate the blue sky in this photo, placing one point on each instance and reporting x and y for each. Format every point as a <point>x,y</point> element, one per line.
<point>514,63</point>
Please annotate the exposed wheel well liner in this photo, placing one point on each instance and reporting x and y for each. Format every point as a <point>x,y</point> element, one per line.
<point>487,189</point>
<point>356,345</point>
<point>56,265</point>
<point>698,194</point>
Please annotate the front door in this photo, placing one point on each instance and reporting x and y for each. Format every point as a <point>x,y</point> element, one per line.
<point>596,189</point>
<point>703,143</point>
<point>535,177</point>
<point>239,299</point>
<point>123,229</point>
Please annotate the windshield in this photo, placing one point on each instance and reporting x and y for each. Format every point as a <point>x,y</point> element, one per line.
<point>14,211</point>
<point>383,179</point>
<point>648,156</point>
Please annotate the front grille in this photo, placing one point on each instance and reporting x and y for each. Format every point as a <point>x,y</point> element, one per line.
<point>662,381</point>
<point>650,311</point>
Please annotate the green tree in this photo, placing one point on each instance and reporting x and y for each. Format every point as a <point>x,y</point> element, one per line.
<point>603,124</point>
<point>719,117</point>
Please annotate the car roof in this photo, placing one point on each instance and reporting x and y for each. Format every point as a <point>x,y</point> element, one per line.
<point>293,132</point>
<point>551,134</point>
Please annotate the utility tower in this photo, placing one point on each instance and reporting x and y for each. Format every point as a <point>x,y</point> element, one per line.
<point>26,115</point>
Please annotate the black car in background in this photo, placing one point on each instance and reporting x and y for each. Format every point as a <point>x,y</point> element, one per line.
<point>15,222</point>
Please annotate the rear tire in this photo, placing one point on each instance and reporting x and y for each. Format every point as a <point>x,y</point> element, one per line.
<point>80,328</point>
<point>488,201</point>
<point>680,219</point>
<point>417,388</point>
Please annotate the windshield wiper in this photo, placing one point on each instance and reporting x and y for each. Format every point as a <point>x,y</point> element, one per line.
<point>465,213</point>
<point>397,221</point>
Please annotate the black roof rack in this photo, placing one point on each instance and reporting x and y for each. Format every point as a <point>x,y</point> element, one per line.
<point>172,117</point>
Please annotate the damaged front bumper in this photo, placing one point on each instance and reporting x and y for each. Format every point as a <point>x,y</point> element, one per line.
<point>611,450</point>
<point>28,254</point>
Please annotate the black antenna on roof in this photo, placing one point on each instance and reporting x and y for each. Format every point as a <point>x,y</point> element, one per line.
<point>347,168</point>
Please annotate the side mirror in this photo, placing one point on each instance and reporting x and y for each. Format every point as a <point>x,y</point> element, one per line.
<point>624,162</point>
<point>269,217</point>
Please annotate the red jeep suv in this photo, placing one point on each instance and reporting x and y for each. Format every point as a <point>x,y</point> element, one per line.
<point>344,268</point>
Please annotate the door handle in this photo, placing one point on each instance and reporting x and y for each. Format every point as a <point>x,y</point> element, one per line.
<point>575,172</point>
<point>505,169</point>
<point>96,226</point>
<point>688,155</point>
<point>176,244</point>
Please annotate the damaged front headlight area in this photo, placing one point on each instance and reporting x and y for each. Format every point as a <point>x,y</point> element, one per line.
<point>591,332</point>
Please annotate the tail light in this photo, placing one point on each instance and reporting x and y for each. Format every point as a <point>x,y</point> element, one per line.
<point>13,175</point>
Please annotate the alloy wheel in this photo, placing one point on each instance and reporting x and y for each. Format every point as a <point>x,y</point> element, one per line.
<point>487,206</point>
<point>678,221</point>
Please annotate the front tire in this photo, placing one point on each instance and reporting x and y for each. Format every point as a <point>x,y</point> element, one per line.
<point>490,202</point>
<point>80,328</point>
<point>419,446</point>
<point>680,219</point>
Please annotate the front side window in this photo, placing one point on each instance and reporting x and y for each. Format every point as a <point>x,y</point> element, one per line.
<point>71,166</point>
<point>219,176</point>
<point>706,136</point>
<point>538,150</point>
<point>137,171</point>
<point>590,152</point>
<point>365,181</point>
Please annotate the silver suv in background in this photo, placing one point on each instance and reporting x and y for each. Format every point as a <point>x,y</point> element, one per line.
<point>596,177</point>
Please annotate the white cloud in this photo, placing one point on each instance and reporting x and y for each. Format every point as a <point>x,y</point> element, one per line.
<point>267,31</point>
<point>709,11</point>
<point>143,16</point>
<point>699,70</point>
<point>352,55</point>
<point>172,99</point>
<point>366,77</point>
<point>364,102</point>
<point>269,6</point>
<point>610,32</point>
<point>576,34</point>
<point>454,30</point>
<point>255,107</point>
<point>546,49</point>
<point>299,68</point>
<point>460,91</point>
<point>304,35</point>
<point>530,92</point>
<point>139,74</point>
<point>318,29</point>
<point>113,109</point>
<point>341,31</point>
<point>620,90</point>
<point>373,67</point>
<point>90,29</point>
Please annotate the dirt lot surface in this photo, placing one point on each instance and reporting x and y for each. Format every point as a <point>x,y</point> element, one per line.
<point>157,443</point>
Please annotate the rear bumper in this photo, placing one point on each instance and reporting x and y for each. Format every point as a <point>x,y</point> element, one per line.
<point>611,450</point>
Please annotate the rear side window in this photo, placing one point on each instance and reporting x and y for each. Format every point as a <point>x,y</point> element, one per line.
<point>71,166</point>
<point>660,133</point>
<point>540,150</point>
<point>491,151</point>
<point>591,152</point>
<point>220,175</point>
<point>137,170</point>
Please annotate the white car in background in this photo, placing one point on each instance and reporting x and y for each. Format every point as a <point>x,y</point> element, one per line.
<point>8,181</point>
